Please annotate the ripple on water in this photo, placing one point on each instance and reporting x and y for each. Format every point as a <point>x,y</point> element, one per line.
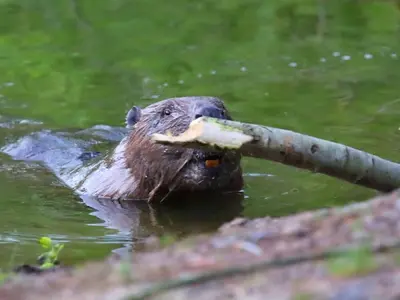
<point>15,237</point>
<point>368,56</point>
<point>258,175</point>
<point>346,57</point>
<point>291,63</point>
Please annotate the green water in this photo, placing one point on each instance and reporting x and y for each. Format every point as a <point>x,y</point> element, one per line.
<point>325,68</point>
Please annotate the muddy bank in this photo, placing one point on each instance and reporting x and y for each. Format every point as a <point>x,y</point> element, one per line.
<point>304,256</point>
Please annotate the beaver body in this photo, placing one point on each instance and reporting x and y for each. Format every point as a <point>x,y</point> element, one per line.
<point>137,168</point>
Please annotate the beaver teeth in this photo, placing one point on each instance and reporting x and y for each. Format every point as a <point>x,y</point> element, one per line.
<point>212,161</point>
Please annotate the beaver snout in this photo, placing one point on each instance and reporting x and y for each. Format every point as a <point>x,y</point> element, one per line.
<point>210,111</point>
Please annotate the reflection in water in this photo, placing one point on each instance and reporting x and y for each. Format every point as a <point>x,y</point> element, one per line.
<point>181,217</point>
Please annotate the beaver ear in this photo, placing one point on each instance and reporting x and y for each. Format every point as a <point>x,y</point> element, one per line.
<point>133,116</point>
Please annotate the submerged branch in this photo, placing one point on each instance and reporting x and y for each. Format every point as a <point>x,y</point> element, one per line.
<point>289,148</point>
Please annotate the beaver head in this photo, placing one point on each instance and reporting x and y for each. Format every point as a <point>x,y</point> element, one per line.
<point>161,171</point>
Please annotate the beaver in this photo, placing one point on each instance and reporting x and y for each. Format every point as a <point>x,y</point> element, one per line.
<point>141,169</point>
<point>138,168</point>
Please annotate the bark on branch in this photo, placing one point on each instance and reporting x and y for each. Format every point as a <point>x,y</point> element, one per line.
<point>289,148</point>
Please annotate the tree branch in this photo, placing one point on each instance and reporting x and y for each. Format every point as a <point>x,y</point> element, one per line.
<point>289,148</point>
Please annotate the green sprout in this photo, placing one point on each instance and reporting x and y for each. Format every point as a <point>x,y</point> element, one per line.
<point>50,258</point>
<point>167,240</point>
<point>3,277</point>
<point>46,260</point>
<point>357,261</point>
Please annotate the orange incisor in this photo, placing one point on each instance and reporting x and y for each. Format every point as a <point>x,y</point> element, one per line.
<point>211,163</point>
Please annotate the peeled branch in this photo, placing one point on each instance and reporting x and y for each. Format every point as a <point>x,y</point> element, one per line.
<point>289,148</point>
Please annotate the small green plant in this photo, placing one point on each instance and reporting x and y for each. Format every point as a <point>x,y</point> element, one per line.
<point>46,260</point>
<point>50,258</point>
<point>167,240</point>
<point>396,258</point>
<point>126,268</point>
<point>3,277</point>
<point>303,296</point>
<point>355,262</point>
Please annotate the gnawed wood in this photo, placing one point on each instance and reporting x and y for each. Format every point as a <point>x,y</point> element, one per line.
<point>290,148</point>
<point>207,133</point>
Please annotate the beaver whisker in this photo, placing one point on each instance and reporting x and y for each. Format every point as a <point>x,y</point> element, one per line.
<point>173,184</point>
<point>155,189</point>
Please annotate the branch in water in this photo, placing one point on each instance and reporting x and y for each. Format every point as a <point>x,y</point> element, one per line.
<point>289,148</point>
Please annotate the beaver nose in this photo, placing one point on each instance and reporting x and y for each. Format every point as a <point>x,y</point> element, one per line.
<point>210,111</point>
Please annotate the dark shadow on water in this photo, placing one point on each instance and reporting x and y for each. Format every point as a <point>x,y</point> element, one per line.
<point>179,217</point>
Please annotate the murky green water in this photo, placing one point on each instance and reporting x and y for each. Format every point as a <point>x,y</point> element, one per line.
<point>325,68</point>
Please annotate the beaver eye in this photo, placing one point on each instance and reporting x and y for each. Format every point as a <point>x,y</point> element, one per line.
<point>166,112</point>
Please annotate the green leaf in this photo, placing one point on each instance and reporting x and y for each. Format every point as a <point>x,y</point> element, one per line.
<point>45,242</point>
<point>47,265</point>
